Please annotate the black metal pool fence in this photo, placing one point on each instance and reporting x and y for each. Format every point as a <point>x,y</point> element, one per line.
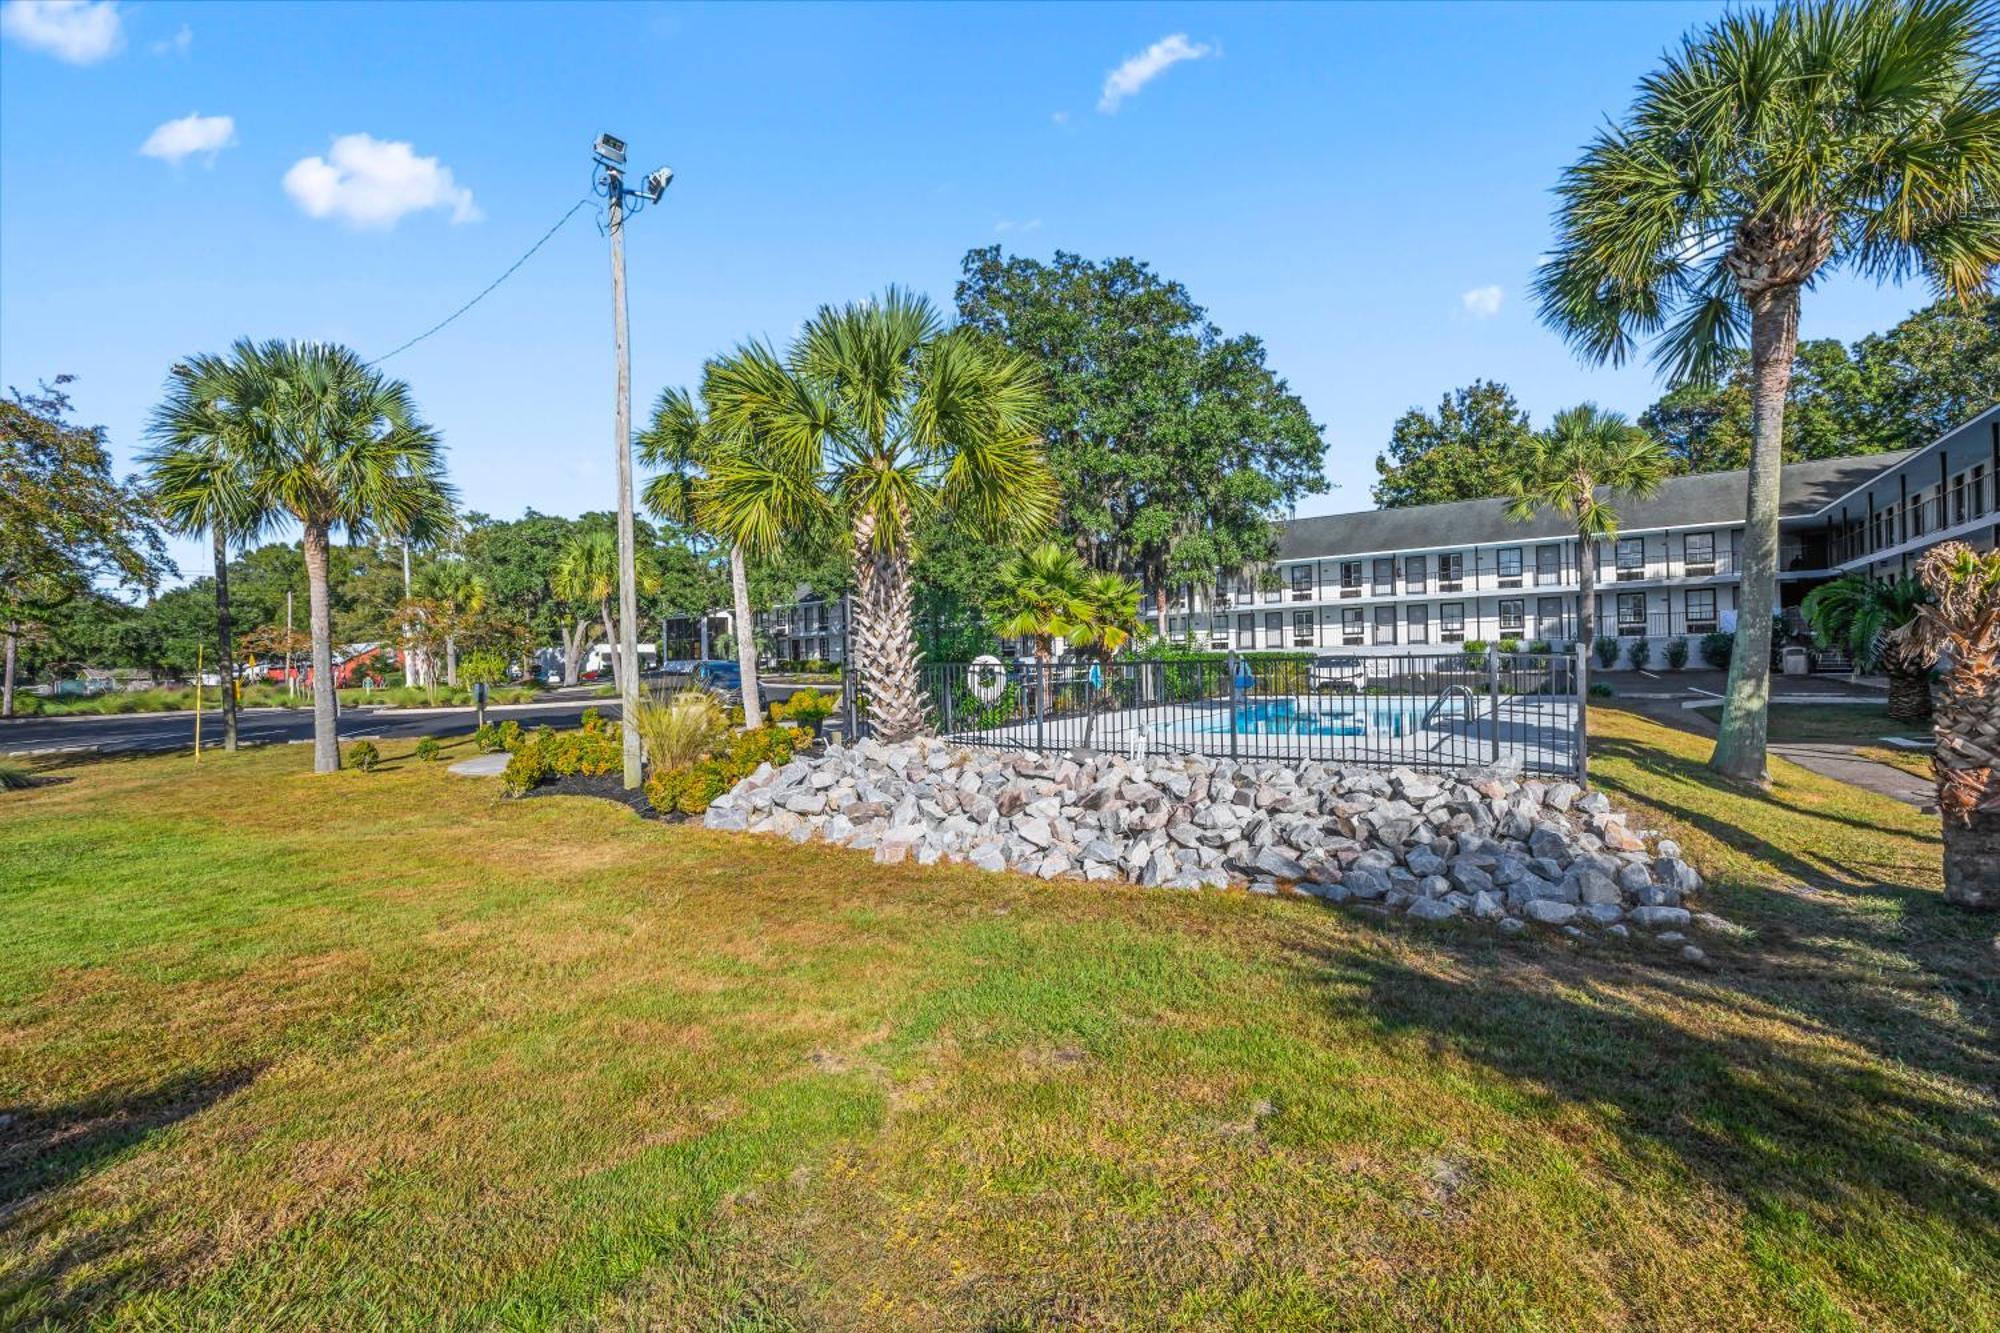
<point>1436,711</point>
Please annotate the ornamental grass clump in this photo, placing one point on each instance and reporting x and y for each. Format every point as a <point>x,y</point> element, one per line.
<point>689,788</point>
<point>687,727</point>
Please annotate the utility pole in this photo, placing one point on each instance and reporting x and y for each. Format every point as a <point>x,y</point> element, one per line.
<point>609,153</point>
<point>290,689</point>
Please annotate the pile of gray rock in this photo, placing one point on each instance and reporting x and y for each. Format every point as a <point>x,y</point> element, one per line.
<point>1485,843</point>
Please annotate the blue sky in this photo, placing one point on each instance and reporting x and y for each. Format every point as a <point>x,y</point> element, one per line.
<point>1365,187</point>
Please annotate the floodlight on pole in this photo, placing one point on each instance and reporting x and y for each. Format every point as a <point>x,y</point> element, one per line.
<point>609,155</point>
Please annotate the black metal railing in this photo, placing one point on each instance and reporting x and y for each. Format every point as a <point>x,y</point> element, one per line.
<point>1439,711</point>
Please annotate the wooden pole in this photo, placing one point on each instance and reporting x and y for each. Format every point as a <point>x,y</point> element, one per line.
<point>197,702</point>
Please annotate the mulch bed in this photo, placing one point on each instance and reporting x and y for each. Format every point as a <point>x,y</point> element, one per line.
<point>605,786</point>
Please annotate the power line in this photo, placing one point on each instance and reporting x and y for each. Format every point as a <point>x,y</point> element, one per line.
<point>489,286</point>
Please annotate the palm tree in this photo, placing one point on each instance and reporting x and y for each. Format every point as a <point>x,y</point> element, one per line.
<point>1767,151</point>
<point>1863,615</point>
<point>1038,595</point>
<point>323,439</point>
<point>1578,467</point>
<point>683,440</point>
<point>877,417</point>
<point>587,575</point>
<point>197,477</point>
<point>1107,619</point>
<point>461,597</point>
<point>1961,624</point>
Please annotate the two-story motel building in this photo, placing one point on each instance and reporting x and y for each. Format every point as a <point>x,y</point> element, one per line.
<point>1421,578</point>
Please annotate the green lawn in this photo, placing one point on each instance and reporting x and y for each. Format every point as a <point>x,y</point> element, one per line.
<point>1848,724</point>
<point>385,1050</point>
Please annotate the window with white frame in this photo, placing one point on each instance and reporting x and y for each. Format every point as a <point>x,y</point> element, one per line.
<point>1701,611</point>
<point>1451,622</point>
<point>1631,613</point>
<point>1218,633</point>
<point>1350,578</point>
<point>1302,583</point>
<point>1698,554</point>
<point>1302,629</point>
<point>1512,615</point>
<point>1548,566</point>
<point>1416,573</point>
<point>1420,624</point>
<point>1385,624</point>
<point>1451,572</point>
<point>1509,561</point>
<point>1631,558</point>
<point>1353,627</point>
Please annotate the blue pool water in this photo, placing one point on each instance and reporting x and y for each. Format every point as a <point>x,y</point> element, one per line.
<point>1311,717</point>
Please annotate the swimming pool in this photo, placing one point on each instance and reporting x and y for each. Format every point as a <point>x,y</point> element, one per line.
<point>1315,717</point>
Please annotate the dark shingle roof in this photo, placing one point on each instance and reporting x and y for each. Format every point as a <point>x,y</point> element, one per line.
<point>1708,497</point>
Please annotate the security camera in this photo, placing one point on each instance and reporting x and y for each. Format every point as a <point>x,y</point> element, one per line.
<point>657,183</point>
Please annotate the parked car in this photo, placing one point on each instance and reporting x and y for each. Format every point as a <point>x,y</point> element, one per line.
<point>724,677</point>
<point>1338,671</point>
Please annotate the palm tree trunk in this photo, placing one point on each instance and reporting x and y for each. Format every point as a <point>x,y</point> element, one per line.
<point>225,647</point>
<point>13,652</point>
<point>1774,340</point>
<point>326,737</point>
<point>610,638</point>
<point>1586,591</point>
<point>1972,859</point>
<point>450,662</point>
<point>746,638</point>
<point>1909,694</point>
<point>885,641</point>
<point>573,651</point>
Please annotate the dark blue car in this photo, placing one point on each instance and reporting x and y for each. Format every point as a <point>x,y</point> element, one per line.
<point>715,674</point>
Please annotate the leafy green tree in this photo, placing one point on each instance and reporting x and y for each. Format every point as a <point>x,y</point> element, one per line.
<point>1935,370</point>
<point>587,576</point>
<point>1770,149</point>
<point>1866,616</point>
<point>878,416</point>
<point>516,561</point>
<point>1578,468</point>
<point>683,440</point>
<point>65,520</point>
<point>328,442</point>
<point>1465,452</point>
<point>1175,447</point>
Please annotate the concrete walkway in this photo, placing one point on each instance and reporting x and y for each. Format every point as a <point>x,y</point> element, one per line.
<point>1840,763</point>
<point>480,766</point>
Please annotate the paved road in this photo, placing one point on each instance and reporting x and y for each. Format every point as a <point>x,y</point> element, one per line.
<point>145,733</point>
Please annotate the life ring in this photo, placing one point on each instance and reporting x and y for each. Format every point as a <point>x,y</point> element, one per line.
<point>987,679</point>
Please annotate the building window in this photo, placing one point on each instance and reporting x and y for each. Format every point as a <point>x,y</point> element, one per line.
<point>1510,566</point>
<point>1274,629</point>
<point>1385,624</point>
<point>1302,629</point>
<point>1451,572</point>
<point>1511,610</point>
<point>1701,610</point>
<point>1302,583</point>
<point>1416,573</point>
<point>1274,591</point>
<point>1958,499</point>
<point>1384,579</point>
<point>1631,613</point>
<point>1977,485</point>
<point>1218,633</point>
<point>1352,627</point>
<point>1420,624</point>
<point>1631,558</point>
<point>1246,631</point>
<point>1548,566</point>
<point>1698,554</point>
<point>1350,578</point>
<point>1451,622</point>
<point>1548,617</point>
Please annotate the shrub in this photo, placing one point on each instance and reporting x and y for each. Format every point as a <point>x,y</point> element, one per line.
<point>1541,648</point>
<point>1599,690</point>
<point>808,708</point>
<point>1641,654</point>
<point>486,738</point>
<point>546,754</point>
<point>1508,647</point>
<point>1607,653</point>
<point>689,788</point>
<point>363,755</point>
<point>510,736</point>
<point>683,729</point>
<point>591,719</point>
<point>1718,648</point>
<point>1475,648</point>
<point>428,750</point>
<point>527,768</point>
<point>1677,653</point>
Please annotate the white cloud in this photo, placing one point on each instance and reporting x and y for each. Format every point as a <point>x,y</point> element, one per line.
<point>82,32</point>
<point>1482,302</point>
<point>1059,117</point>
<point>370,182</point>
<point>1008,224</point>
<point>176,45</point>
<point>1148,65</point>
<point>191,134</point>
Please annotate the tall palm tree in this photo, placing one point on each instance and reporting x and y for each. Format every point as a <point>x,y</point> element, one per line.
<point>197,476</point>
<point>1769,150</point>
<point>1579,467</point>
<point>1038,595</point>
<point>587,575</point>
<point>1863,616</point>
<point>460,595</point>
<point>1107,619</point>
<point>1961,625</point>
<point>327,441</point>
<point>876,417</point>
<point>683,440</point>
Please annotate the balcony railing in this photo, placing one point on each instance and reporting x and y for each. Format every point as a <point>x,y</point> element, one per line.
<point>1956,508</point>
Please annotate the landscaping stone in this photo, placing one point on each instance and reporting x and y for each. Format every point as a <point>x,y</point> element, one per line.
<point>1484,844</point>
